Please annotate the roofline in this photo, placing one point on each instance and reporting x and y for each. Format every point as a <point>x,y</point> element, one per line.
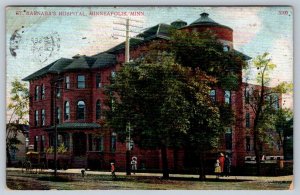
<point>208,24</point>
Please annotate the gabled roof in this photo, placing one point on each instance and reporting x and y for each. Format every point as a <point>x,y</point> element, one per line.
<point>161,31</point>
<point>78,63</point>
<point>83,62</point>
<point>59,65</point>
<point>39,73</point>
<point>104,60</point>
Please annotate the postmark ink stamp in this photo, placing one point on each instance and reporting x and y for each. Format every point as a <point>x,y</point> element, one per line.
<point>43,47</point>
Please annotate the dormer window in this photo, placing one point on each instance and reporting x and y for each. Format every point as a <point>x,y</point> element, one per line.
<point>226,48</point>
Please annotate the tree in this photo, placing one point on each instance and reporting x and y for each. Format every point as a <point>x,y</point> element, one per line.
<point>284,128</point>
<point>165,95</point>
<point>264,101</point>
<point>212,66</point>
<point>205,52</point>
<point>18,107</point>
<point>147,95</point>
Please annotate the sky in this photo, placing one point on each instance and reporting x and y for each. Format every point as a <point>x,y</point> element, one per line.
<point>37,36</point>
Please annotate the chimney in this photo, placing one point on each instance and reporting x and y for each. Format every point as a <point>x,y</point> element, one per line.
<point>204,15</point>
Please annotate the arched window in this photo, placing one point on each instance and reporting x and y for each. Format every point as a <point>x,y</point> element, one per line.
<point>67,110</point>
<point>98,109</point>
<point>80,109</point>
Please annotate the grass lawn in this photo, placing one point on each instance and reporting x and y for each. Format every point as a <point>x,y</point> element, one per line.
<point>16,180</point>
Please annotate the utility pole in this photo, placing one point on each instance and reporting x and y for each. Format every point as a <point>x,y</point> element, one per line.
<point>128,148</point>
<point>55,130</point>
<point>127,42</point>
<point>56,87</point>
<point>127,36</point>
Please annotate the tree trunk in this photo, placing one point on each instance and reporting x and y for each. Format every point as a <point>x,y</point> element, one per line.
<point>175,154</point>
<point>202,167</point>
<point>8,156</point>
<point>257,156</point>
<point>164,158</point>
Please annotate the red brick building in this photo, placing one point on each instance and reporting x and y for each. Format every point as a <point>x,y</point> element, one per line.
<point>68,95</point>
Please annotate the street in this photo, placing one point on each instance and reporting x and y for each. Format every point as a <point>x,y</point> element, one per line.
<point>72,179</point>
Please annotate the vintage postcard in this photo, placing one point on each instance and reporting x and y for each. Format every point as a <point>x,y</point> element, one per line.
<point>149,98</point>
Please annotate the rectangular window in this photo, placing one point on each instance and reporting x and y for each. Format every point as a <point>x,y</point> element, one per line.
<point>228,139</point>
<point>42,146</point>
<point>275,101</point>
<point>90,139</point>
<point>247,96</point>
<point>59,139</point>
<point>58,91</point>
<point>35,144</point>
<point>248,143</point>
<point>113,144</point>
<point>212,95</point>
<point>51,139</point>
<point>36,95</point>
<point>227,97</point>
<point>98,80</point>
<point>113,74</point>
<point>81,81</point>
<point>99,143</point>
<point>67,82</point>
<point>43,117</point>
<point>248,120</point>
<point>36,118</point>
<point>43,92</point>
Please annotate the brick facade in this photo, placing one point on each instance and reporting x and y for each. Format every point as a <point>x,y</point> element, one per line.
<point>82,141</point>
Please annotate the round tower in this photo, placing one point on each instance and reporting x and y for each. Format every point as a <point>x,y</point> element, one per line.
<point>204,23</point>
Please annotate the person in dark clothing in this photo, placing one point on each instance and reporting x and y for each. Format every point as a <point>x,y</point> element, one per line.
<point>227,166</point>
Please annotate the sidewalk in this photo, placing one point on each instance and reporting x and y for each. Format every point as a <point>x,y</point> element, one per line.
<point>251,178</point>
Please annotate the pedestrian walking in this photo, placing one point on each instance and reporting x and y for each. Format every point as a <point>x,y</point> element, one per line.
<point>134,164</point>
<point>113,170</point>
<point>222,162</point>
<point>227,166</point>
<point>217,169</point>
